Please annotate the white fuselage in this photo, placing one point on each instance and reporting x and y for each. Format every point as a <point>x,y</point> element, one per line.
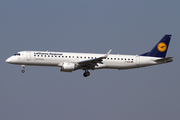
<point>113,61</point>
<point>69,62</point>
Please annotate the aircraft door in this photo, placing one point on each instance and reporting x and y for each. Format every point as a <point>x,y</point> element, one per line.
<point>28,55</point>
<point>137,60</point>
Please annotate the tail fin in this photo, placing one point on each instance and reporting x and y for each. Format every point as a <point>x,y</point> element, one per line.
<point>160,49</point>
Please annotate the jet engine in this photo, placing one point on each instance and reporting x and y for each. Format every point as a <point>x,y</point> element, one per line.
<point>68,67</point>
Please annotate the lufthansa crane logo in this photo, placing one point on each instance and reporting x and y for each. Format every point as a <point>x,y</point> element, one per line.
<point>161,47</point>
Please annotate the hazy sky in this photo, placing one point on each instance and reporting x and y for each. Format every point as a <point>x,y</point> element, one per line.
<point>94,26</point>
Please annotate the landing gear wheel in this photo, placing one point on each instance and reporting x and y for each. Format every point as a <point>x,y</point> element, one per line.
<point>23,66</point>
<point>86,74</point>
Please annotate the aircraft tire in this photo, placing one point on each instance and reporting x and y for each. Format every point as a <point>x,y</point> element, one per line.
<point>23,71</point>
<point>86,74</point>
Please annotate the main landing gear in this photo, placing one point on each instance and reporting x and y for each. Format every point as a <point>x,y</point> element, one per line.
<point>23,66</point>
<point>86,73</point>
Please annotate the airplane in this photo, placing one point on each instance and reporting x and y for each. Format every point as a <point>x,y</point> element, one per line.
<point>69,62</point>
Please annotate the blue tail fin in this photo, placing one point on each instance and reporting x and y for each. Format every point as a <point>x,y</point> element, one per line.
<point>160,49</point>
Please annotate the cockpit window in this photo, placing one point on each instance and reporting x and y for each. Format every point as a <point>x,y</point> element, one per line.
<point>17,54</point>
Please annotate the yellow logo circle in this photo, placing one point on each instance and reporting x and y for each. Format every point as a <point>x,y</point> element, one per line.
<point>161,47</point>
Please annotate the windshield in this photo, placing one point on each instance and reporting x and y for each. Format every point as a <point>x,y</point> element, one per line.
<point>17,54</point>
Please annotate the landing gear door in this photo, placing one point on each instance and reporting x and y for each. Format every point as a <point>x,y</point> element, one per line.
<point>28,55</point>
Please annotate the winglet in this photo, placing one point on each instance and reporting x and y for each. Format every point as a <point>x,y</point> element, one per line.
<point>107,53</point>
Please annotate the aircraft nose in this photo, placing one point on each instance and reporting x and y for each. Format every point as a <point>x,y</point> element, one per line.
<point>8,60</point>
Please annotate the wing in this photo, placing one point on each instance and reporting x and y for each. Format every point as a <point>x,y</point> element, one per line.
<point>90,64</point>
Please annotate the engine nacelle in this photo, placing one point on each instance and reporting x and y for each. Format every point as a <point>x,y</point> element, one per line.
<point>68,67</point>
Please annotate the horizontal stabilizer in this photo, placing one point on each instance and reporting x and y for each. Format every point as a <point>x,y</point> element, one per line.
<point>164,60</point>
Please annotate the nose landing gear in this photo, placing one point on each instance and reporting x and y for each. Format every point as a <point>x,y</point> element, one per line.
<point>23,66</point>
<point>86,73</point>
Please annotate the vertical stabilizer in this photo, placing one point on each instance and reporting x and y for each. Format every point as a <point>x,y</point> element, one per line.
<point>160,49</point>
